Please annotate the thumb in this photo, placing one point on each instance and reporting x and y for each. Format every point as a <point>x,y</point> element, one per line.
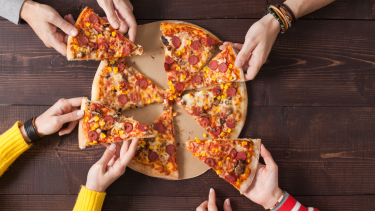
<point>245,53</point>
<point>108,155</point>
<point>64,25</point>
<point>226,205</point>
<point>267,157</point>
<point>111,13</point>
<point>70,117</point>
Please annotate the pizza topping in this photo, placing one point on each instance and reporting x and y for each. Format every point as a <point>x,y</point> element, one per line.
<point>223,67</point>
<point>176,41</point>
<point>169,60</point>
<point>108,119</point>
<point>196,45</point>
<point>123,85</point>
<point>164,41</point>
<point>159,127</point>
<point>126,50</point>
<point>128,127</point>
<point>193,60</point>
<point>135,97</point>
<point>83,40</point>
<point>142,127</point>
<point>121,67</point>
<point>197,111</point>
<point>230,178</point>
<point>233,153</point>
<point>204,122</point>
<point>210,162</point>
<point>241,156</point>
<point>153,156</point>
<point>170,149</point>
<point>166,67</point>
<point>230,123</point>
<point>93,135</point>
<point>217,90</point>
<point>98,28</point>
<point>93,45</point>
<point>117,139</point>
<point>210,41</point>
<point>142,84</point>
<point>213,65</point>
<point>103,46</point>
<point>119,36</point>
<point>122,99</point>
<point>240,168</point>
<point>179,86</point>
<point>231,92</point>
<point>197,79</point>
<point>93,18</point>
<point>215,131</point>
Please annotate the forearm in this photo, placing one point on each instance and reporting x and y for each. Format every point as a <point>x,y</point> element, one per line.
<point>89,200</point>
<point>10,9</point>
<point>304,7</point>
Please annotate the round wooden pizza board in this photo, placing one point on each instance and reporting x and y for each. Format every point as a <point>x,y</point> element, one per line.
<point>185,127</point>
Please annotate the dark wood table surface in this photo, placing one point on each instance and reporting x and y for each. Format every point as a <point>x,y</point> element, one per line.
<point>312,104</point>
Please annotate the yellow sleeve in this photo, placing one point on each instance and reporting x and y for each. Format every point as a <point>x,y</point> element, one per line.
<point>12,145</point>
<point>89,200</point>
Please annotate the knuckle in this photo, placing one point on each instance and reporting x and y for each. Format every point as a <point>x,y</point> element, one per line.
<point>61,101</point>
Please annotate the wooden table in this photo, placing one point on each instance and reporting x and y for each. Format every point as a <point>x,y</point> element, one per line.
<point>312,104</point>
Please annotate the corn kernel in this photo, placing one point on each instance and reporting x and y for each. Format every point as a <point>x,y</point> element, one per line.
<point>203,91</point>
<point>226,87</point>
<point>102,135</point>
<point>162,150</point>
<point>100,35</point>
<point>158,146</point>
<point>183,76</point>
<point>178,53</point>
<point>148,101</point>
<point>143,143</point>
<point>111,46</point>
<point>183,50</point>
<point>196,138</point>
<point>229,130</point>
<point>142,96</point>
<point>96,118</point>
<point>230,77</point>
<point>94,142</point>
<point>178,68</point>
<point>102,123</point>
<point>151,147</point>
<point>96,125</point>
<point>88,24</point>
<point>93,128</point>
<point>154,96</point>
<point>121,132</point>
<point>248,160</point>
<point>217,73</point>
<point>205,54</point>
<point>112,61</point>
<point>88,33</point>
<point>116,130</point>
<point>190,95</point>
<point>75,47</point>
<point>189,42</point>
<point>218,172</point>
<point>84,50</point>
<point>205,107</point>
<point>200,64</point>
<point>218,97</point>
<point>204,135</point>
<point>170,98</point>
<point>109,69</point>
<point>175,96</point>
<point>113,33</point>
<point>218,110</point>
<point>203,153</point>
<point>248,154</point>
<point>206,102</point>
<point>244,143</point>
<point>222,133</point>
<point>219,163</point>
<point>228,71</point>
<point>86,119</point>
<point>196,154</point>
<point>170,83</point>
<point>198,141</point>
<point>228,158</point>
<point>157,139</point>
<point>230,65</point>
<point>237,183</point>
<point>158,98</point>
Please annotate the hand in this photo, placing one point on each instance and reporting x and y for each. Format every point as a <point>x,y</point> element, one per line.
<point>210,205</point>
<point>111,166</point>
<point>264,189</point>
<point>50,27</point>
<point>258,43</point>
<point>120,16</point>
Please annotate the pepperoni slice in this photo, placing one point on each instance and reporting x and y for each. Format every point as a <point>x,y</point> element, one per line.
<point>93,45</point>
<point>230,123</point>
<point>170,149</point>
<point>241,156</point>
<point>93,135</point>
<point>176,41</point>
<point>122,99</point>
<point>103,46</point>
<point>119,36</point>
<point>135,97</point>
<point>117,139</point>
<point>216,131</point>
<point>179,86</point>
<point>204,122</point>
<point>197,79</point>
<point>196,45</point>
<point>126,50</point>
<point>142,127</point>
<point>210,162</point>
<point>197,111</point>
<point>230,178</point>
<point>169,60</point>
<point>170,102</point>
<point>166,67</point>
<point>210,41</point>
<point>153,156</point>
<point>121,67</point>
<point>223,67</point>
<point>99,106</point>
<point>98,29</point>
<point>93,18</point>
<point>193,60</point>
<point>231,91</point>
<point>142,83</point>
<point>217,90</point>
<point>108,119</point>
<point>128,127</point>
<point>233,153</point>
<point>159,127</point>
<point>213,65</point>
<point>83,40</point>
<point>124,85</point>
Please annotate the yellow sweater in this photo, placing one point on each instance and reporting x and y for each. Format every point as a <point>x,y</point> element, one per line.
<point>12,146</point>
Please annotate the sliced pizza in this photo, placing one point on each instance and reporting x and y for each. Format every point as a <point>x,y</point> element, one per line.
<point>220,70</point>
<point>157,157</point>
<point>97,40</point>
<point>101,124</point>
<point>187,49</point>
<point>221,110</point>
<point>121,87</point>
<point>234,160</point>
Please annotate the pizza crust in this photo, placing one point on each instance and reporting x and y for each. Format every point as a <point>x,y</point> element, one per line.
<point>70,54</point>
<point>149,171</point>
<point>95,91</point>
<point>243,108</point>
<point>242,76</point>
<point>82,140</point>
<point>253,166</point>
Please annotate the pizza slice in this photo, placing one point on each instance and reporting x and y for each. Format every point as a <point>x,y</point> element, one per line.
<point>221,110</point>
<point>234,160</point>
<point>102,124</point>
<point>121,87</point>
<point>97,40</point>
<point>220,70</point>
<point>157,157</point>
<point>187,49</point>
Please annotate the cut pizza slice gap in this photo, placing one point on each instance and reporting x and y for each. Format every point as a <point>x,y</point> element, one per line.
<point>157,157</point>
<point>221,110</point>
<point>234,160</point>
<point>101,124</point>
<point>121,86</point>
<point>97,40</point>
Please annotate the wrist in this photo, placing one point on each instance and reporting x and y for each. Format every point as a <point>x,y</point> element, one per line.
<point>272,23</point>
<point>95,188</point>
<point>275,196</point>
<point>27,8</point>
<point>38,127</point>
<point>24,135</point>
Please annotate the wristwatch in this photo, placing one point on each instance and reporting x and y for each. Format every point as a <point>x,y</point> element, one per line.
<point>278,201</point>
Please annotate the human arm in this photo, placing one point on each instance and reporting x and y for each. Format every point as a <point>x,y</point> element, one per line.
<point>103,173</point>
<point>262,35</point>
<point>10,9</point>
<point>15,141</point>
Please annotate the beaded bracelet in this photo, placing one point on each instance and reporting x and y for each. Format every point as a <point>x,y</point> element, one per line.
<point>283,15</point>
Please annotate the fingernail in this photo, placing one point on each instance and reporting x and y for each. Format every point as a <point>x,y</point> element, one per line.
<point>112,147</point>
<point>61,134</point>
<point>74,32</point>
<point>238,64</point>
<point>80,113</point>
<point>211,190</point>
<point>115,25</point>
<point>228,201</point>
<point>262,144</point>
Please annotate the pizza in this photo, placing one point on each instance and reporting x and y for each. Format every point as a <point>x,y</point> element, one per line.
<point>121,87</point>
<point>101,124</point>
<point>187,49</point>
<point>97,40</point>
<point>221,69</point>
<point>221,110</point>
<point>234,160</point>
<point>157,157</point>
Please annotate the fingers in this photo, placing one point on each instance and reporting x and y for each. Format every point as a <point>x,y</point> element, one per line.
<point>107,156</point>
<point>126,13</point>
<point>70,19</point>
<point>64,25</point>
<point>255,64</point>
<point>212,200</point>
<point>203,206</point>
<point>266,155</point>
<point>107,6</point>
<point>245,53</point>
<point>57,41</point>
<point>226,205</point>
<point>70,117</point>
<point>127,152</point>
